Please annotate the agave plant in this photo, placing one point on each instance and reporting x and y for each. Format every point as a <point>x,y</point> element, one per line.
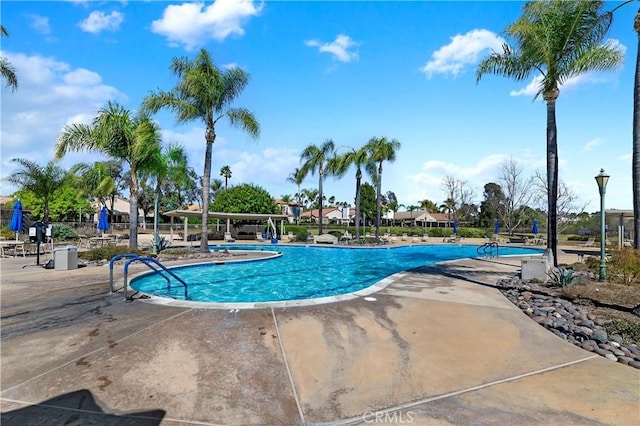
<point>562,277</point>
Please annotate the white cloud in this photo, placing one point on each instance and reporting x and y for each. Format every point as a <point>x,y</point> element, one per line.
<point>98,21</point>
<point>463,50</point>
<point>40,24</point>
<point>230,65</point>
<point>339,48</point>
<point>193,24</point>
<point>592,144</point>
<point>51,95</point>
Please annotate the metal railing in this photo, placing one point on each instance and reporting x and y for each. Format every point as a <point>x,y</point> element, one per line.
<point>151,263</point>
<point>487,249</point>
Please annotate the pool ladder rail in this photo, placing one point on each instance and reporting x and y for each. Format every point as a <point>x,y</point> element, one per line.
<point>149,262</point>
<point>486,249</point>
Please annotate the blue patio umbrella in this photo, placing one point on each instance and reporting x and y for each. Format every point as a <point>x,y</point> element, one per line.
<point>534,230</point>
<point>16,219</point>
<point>103,221</point>
<point>455,227</point>
<point>496,228</point>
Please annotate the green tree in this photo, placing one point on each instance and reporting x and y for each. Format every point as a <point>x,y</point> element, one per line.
<point>225,172</point>
<point>170,163</point>
<point>359,158</point>
<point>102,181</point>
<point>316,158</point>
<point>368,201</point>
<point>245,198</point>
<point>42,181</point>
<point>118,134</point>
<point>429,206</point>
<point>380,150</point>
<point>492,207</point>
<point>6,69</point>
<point>559,39</point>
<point>204,92</point>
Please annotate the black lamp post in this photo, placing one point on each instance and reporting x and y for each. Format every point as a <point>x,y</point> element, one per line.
<point>602,180</point>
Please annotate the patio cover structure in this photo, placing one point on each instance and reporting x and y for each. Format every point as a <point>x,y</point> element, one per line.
<point>227,216</point>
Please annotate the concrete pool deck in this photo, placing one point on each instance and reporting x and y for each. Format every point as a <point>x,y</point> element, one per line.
<point>439,345</point>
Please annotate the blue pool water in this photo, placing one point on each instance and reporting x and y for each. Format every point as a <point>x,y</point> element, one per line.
<point>301,272</point>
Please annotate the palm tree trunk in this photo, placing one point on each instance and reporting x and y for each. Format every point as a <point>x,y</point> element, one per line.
<point>206,183</point>
<point>635,162</point>
<point>320,201</point>
<point>552,177</point>
<point>378,202</point>
<point>133,211</point>
<point>358,180</point>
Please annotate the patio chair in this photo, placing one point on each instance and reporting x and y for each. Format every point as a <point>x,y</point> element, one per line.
<point>590,242</point>
<point>259,236</point>
<point>404,237</point>
<point>425,237</point>
<point>228,238</point>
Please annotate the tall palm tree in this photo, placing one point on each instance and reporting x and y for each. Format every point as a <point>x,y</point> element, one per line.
<point>100,181</point>
<point>6,69</point>
<point>42,181</point>
<point>205,92</point>
<point>449,207</point>
<point>316,158</point>
<point>359,158</point>
<point>380,150</point>
<point>118,134</point>
<point>559,39</point>
<point>225,172</point>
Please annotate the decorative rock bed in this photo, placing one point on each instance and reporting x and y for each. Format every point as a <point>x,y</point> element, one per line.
<point>570,322</point>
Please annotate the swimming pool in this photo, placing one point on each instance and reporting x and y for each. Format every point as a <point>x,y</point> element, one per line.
<point>302,272</point>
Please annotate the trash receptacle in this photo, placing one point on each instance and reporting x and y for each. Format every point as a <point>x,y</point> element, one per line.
<point>65,258</point>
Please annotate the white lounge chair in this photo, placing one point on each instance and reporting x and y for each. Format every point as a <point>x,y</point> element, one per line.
<point>228,238</point>
<point>325,239</point>
<point>404,237</point>
<point>259,236</point>
<point>425,237</point>
<point>590,242</point>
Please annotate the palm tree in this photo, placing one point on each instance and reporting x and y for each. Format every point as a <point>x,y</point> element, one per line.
<point>169,163</point>
<point>558,39</point>
<point>449,207</point>
<point>359,158</point>
<point>317,158</point>
<point>119,135</point>
<point>225,172</point>
<point>6,69</point>
<point>205,93</point>
<point>101,181</point>
<point>43,182</point>
<point>380,150</point>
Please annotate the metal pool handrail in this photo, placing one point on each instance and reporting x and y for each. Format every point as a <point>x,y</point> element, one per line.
<point>489,246</point>
<point>149,261</point>
<point>111,262</point>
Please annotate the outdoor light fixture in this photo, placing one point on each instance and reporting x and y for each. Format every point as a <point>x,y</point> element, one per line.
<point>602,180</point>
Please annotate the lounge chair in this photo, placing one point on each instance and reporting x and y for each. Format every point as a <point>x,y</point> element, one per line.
<point>425,237</point>
<point>590,242</point>
<point>325,239</point>
<point>228,238</point>
<point>415,239</point>
<point>259,236</point>
<point>291,237</point>
<point>347,236</point>
<point>404,237</point>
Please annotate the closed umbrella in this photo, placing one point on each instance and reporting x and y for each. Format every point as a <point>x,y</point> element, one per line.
<point>496,228</point>
<point>534,230</point>
<point>455,227</point>
<point>16,219</point>
<point>103,221</point>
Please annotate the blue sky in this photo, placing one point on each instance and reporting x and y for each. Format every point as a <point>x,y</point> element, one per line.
<point>347,71</point>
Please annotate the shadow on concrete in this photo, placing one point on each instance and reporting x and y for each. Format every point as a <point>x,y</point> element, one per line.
<point>79,408</point>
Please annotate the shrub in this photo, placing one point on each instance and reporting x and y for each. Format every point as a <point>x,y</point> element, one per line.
<point>627,330</point>
<point>336,234</point>
<point>108,252</point>
<point>562,277</point>
<point>301,235</point>
<point>63,233</point>
<point>624,264</point>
